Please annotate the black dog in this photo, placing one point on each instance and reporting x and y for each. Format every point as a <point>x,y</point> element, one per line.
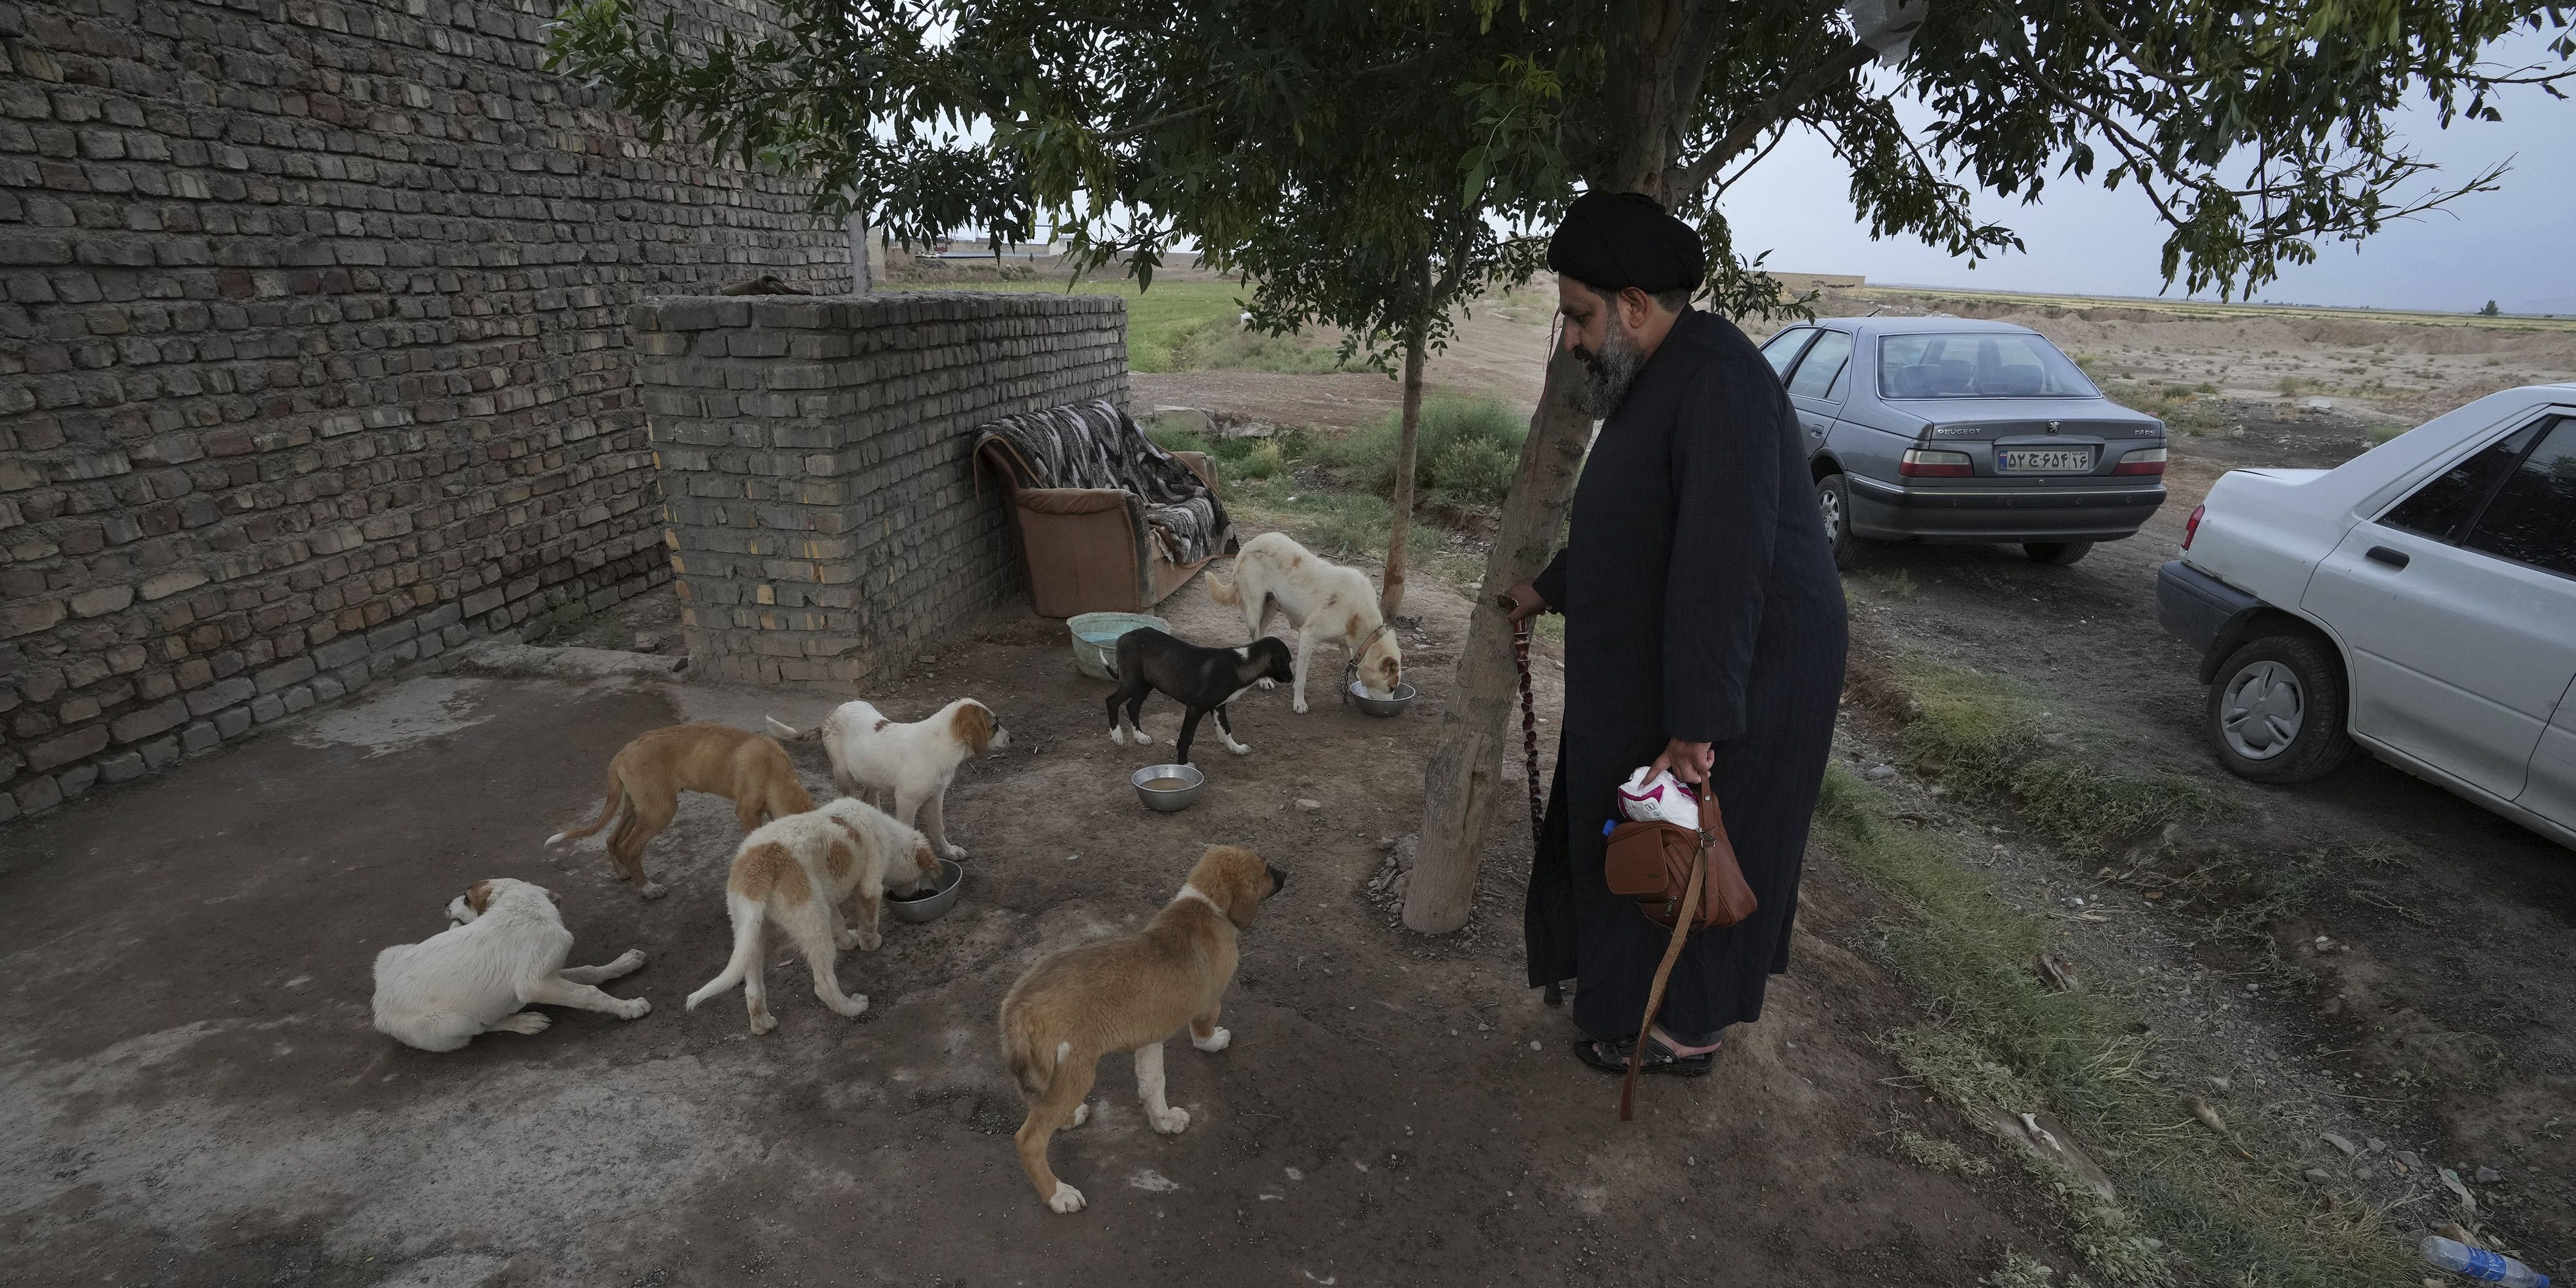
<point>1200,679</point>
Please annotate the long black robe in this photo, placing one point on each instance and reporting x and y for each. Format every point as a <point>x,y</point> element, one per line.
<point>1701,603</point>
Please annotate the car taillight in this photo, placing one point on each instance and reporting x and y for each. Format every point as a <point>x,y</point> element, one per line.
<point>2150,461</point>
<point>1925,463</point>
<point>2191,526</point>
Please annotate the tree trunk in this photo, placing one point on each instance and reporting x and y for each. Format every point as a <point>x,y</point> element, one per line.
<point>1408,437</point>
<point>1460,782</point>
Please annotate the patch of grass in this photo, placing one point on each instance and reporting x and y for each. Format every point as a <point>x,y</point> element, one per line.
<point>1466,451</point>
<point>1978,734</point>
<point>1999,1043</point>
<point>2020,1270</point>
<point>2086,810</point>
<point>1223,344</point>
<point>2293,386</point>
<point>1940,1155</point>
<point>1156,318</point>
<point>2386,431</point>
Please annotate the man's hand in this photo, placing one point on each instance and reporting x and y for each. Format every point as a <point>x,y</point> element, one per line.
<point>1522,602</point>
<point>1689,761</point>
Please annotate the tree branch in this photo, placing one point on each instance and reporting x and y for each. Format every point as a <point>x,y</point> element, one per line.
<point>1749,129</point>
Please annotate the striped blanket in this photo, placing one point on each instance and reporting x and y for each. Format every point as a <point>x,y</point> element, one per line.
<point>1096,445</point>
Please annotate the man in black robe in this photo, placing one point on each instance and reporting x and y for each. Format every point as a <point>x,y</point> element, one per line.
<point>1704,633</point>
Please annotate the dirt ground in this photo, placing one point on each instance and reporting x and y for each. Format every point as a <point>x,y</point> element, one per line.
<point>195,1095</point>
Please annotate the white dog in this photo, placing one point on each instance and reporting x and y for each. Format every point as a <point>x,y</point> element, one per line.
<point>906,766</point>
<point>1322,600</point>
<point>507,953</point>
<point>797,871</point>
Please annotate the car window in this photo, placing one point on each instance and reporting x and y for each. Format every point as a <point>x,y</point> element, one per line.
<point>2442,508</point>
<point>1823,362</point>
<point>1977,364</point>
<point>1783,348</point>
<point>2533,516</point>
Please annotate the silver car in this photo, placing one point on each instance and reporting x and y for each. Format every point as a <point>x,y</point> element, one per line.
<point>1948,429</point>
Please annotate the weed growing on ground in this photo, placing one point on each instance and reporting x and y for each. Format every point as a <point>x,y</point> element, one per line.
<point>1940,1155</point>
<point>1999,1043</point>
<point>1466,451</point>
<point>1225,344</point>
<point>2020,1270</point>
<point>1978,735</point>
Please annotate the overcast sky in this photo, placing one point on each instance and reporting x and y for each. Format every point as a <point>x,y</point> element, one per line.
<point>2511,246</point>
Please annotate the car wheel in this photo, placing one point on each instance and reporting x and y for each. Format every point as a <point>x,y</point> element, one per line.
<point>2056,554</point>
<point>2276,710</point>
<point>1833,500</point>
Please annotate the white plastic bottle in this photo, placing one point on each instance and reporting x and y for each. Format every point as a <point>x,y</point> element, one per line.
<point>2478,1263</point>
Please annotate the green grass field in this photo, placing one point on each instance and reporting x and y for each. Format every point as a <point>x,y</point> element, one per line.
<point>1183,326</point>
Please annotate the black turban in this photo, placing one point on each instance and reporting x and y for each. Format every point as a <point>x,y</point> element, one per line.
<point>1615,240</point>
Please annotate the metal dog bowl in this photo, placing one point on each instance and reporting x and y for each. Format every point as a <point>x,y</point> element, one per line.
<point>934,905</point>
<point>1169,799</point>
<point>1095,639</point>
<point>1391,705</point>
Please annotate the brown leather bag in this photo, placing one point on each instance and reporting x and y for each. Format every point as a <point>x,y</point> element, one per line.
<point>1651,863</point>
<point>1685,879</point>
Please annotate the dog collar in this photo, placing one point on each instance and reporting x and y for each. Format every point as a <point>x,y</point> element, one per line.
<point>1351,664</point>
<point>1189,891</point>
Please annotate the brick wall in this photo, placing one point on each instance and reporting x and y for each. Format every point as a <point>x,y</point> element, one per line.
<point>823,516</point>
<point>313,356</point>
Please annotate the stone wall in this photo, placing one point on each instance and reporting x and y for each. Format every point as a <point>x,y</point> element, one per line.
<point>823,515</point>
<point>313,356</point>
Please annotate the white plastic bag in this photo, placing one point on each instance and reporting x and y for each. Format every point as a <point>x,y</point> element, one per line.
<point>1663,798</point>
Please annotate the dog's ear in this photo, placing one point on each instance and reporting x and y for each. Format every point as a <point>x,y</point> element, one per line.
<point>1235,880</point>
<point>923,860</point>
<point>973,727</point>
<point>551,896</point>
<point>478,896</point>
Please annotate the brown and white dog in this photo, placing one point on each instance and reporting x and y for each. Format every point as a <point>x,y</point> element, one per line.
<point>1128,994</point>
<point>1322,600</point>
<point>646,778</point>
<point>906,766</point>
<point>506,953</point>
<point>798,872</point>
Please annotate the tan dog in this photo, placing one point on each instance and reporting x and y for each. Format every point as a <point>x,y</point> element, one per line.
<point>1322,600</point>
<point>646,778</point>
<point>797,872</point>
<point>1128,994</point>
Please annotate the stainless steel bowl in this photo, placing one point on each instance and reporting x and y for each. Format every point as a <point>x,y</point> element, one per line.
<point>932,906</point>
<point>1169,799</point>
<point>1391,705</point>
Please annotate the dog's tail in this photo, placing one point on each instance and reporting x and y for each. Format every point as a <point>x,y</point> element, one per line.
<point>749,915</point>
<point>607,812</point>
<point>1032,1062</point>
<point>789,733</point>
<point>1228,593</point>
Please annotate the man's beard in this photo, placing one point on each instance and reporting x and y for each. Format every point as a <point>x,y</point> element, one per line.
<point>1608,373</point>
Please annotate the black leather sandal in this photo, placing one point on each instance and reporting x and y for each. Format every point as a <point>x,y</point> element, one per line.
<point>1612,1057</point>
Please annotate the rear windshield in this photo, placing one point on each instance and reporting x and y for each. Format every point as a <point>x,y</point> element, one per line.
<point>1977,365</point>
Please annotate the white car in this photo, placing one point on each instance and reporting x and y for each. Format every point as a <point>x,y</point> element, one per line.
<point>2419,599</point>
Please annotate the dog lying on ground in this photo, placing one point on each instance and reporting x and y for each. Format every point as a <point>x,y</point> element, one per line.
<point>1322,600</point>
<point>907,766</point>
<point>1200,679</point>
<point>506,953</point>
<point>646,778</point>
<point>1128,994</point>
<point>797,872</point>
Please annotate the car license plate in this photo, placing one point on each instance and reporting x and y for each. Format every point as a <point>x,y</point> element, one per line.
<point>2052,460</point>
